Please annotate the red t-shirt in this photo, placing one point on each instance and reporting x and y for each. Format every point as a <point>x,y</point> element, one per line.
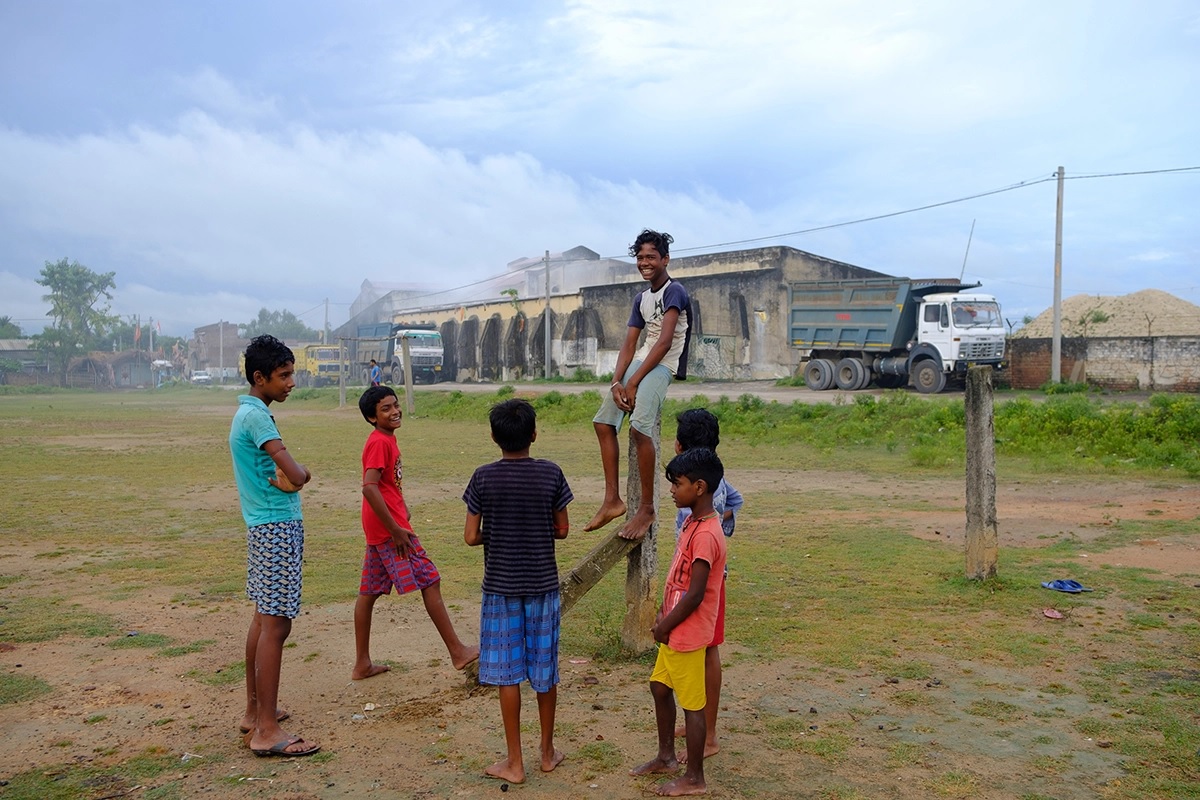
<point>700,540</point>
<point>381,452</point>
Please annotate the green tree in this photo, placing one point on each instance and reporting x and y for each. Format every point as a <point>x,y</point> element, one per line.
<point>9,329</point>
<point>281,324</point>
<point>78,318</point>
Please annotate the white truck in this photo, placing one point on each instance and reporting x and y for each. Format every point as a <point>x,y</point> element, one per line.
<point>893,331</point>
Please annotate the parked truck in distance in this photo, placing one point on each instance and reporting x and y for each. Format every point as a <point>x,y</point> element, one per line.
<point>892,332</point>
<point>316,364</point>
<point>383,342</point>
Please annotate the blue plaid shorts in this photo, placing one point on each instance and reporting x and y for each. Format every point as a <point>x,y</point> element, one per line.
<point>274,555</point>
<point>518,640</point>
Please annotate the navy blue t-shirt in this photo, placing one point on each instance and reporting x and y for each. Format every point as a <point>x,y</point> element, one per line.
<point>517,499</point>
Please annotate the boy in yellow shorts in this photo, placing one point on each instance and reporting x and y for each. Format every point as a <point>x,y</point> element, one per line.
<point>685,625</point>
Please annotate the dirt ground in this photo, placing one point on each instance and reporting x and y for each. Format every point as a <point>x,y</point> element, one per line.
<point>421,731</point>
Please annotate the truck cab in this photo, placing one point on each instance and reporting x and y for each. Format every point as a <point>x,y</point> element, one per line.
<point>961,329</point>
<point>424,349</point>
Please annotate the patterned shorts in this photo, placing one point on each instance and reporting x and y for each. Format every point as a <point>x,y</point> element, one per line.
<point>383,568</point>
<point>274,556</point>
<point>518,640</point>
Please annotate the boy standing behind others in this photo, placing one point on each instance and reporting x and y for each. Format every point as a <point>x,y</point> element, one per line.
<point>517,508</point>
<point>394,555</point>
<point>686,622</point>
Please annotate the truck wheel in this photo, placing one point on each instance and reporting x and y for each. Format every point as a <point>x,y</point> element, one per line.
<point>849,374</point>
<point>397,375</point>
<point>928,377</point>
<point>866,378</point>
<point>818,374</point>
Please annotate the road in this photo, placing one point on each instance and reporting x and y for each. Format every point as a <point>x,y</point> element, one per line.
<point>680,390</point>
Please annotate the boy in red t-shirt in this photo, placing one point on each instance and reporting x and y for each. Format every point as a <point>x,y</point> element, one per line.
<point>685,625</point>
<point>394,555</point>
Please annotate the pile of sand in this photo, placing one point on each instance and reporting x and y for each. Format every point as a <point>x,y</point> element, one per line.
<point>1150,312</point>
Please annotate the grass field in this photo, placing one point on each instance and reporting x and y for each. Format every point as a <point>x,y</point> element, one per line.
<point>126,492</point>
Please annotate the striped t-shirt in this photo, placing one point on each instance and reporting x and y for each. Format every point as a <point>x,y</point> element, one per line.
<point>517,498</point>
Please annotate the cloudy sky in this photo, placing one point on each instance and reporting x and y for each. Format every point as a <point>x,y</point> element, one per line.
<point>222,157</point>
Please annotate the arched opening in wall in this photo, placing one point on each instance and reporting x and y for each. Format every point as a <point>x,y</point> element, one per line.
<point>582,335</point>
<point>514,346</point>
<point>468,336</point>
<point>489,348</point>
<point>449,350</point>
<point>737,310</point>
<point>537,344</point>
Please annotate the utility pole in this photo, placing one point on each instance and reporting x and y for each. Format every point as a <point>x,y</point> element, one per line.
<point>1056,340</point>
<point>221,350</point>
<point>547,320</point>
<point>325,330</point>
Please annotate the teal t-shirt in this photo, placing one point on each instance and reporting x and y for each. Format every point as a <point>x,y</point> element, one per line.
<point>253,426</point>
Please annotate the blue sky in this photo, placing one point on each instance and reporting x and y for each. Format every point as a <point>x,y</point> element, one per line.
<point>222,157</point>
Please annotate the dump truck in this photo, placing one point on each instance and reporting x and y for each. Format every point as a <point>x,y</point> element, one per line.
<point>316,364</point>
<point>383,342</point>
<point>893,332</point>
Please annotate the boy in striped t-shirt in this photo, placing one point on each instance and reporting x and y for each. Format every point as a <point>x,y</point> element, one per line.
<point>516,509</point>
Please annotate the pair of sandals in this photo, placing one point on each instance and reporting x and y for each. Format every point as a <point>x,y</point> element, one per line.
<point>1068,586</point>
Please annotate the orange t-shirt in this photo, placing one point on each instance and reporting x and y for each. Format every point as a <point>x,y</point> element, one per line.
<point>700,540</point>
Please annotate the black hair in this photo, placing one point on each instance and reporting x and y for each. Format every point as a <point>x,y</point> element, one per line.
<point>368,401</point>
<point>697,427</point>
<point>660,241</point>
<point>513,424</point>
<point>373,361</point>
<point>697,464</point>
<point>266,354</point>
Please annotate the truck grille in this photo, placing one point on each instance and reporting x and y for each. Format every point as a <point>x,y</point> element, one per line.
<point>426,361</point>
<point>978,350</point>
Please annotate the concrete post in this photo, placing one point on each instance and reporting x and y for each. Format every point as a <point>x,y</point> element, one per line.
<point>982,548</point>
<point>641,593</point>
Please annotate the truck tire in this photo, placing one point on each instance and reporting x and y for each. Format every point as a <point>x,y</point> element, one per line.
<point>397,375</point>
<point>849,374</point>
<point>818,374</point>
<point>866,378</point>
<point>928,377</point>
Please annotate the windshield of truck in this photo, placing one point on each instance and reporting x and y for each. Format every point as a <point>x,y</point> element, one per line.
<point>976,314</point>
<point>424,339</point>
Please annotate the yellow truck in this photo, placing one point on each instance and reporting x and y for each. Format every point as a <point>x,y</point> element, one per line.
<point>316,364</point>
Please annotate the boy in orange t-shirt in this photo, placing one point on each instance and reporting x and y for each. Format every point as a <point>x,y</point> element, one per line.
<point>685,624</point>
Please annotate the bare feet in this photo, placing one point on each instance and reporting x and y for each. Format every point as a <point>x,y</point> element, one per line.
<point>710,750</point>
<point>506,771</point>
<point>462,659</point>
<point>656,766</point>
<point>639,524</point>
<point>607,513</point>
<point>372,669</point>
<point>549,763</point>
<point>683,786</point>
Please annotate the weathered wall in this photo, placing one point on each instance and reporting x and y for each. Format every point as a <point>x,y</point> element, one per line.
<point>1127,363</point>
<point>740,303</point>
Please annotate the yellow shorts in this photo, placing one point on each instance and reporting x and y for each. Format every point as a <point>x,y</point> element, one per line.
<point>684,673</point>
